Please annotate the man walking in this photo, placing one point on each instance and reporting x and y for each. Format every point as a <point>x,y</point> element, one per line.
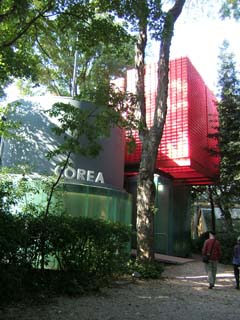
<point>212,249</point>
<point>236,261</point>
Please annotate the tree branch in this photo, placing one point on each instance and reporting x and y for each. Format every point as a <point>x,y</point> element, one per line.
<point>25,28</point>
<point>163,68</point>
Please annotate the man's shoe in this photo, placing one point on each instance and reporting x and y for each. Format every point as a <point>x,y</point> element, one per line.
<point>211,286</point>
<point>237,287</point>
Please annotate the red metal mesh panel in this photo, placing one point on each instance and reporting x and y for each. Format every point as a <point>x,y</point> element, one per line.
<point>150,91</point>
<point>192,115</point>
<point>174,144</point>
<point>197,123</point>
<point>212,128</point>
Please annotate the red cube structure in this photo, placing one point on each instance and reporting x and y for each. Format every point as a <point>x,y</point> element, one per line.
<point>192,115</point>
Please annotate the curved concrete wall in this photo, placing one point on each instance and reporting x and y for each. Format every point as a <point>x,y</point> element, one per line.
<point>37,139</point>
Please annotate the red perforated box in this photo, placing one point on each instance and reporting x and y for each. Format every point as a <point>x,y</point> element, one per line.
<point>191,117</point>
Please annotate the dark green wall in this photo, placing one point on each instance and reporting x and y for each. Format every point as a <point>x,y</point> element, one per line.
<point>172,223</point>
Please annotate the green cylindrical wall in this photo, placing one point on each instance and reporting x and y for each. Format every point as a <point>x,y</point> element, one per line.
<point>95,202</point>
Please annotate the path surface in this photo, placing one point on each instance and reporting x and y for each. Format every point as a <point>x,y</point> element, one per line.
<point>181,294</point>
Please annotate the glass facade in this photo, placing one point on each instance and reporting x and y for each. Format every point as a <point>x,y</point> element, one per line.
<point>95,202</point>
<point>172,227</point>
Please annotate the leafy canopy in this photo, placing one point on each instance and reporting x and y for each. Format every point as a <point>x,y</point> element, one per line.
<point>229,117</point>
<point>100,55</point>
<point>39,40</point>
<point>230,8</point>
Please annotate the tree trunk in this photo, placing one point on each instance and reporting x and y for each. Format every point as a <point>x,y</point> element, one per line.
<point>226,214</point>
<point>146,202</point>
<point>222,200</point>
<point>213,216</point>
<point>151,137</point>
<point>43,236</point>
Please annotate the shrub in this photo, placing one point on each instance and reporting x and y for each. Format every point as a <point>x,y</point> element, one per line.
<point>82,253</point>
<point>146,270</point>
<point>197,244</point>
<point>227,242</point>
<point>94,247</point>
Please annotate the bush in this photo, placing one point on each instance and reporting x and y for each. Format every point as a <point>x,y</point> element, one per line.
<point>227,242</point>
<point>82,253</point>
<point>94,247</point>
<point>198,243</point>
<point>146,270</point>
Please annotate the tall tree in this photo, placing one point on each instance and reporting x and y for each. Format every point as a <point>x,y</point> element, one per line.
<point>229,115</point>
<point>149,20</point>
<point>229,136</point>
<point>151,136</point>
<point>225,193</point>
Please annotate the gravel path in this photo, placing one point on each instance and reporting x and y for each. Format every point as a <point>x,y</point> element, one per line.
<point>181,294</point>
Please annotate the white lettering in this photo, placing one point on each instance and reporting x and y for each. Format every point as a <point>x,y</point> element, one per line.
<point>90,176</point>
<point>99,177</point>
<point>81,174</point>
<point>70,173</point>
<point>57,170</point>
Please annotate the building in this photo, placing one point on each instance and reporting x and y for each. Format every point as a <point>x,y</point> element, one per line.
<point>183,157</point>
<point>94,186</point>
<point>105,187</point>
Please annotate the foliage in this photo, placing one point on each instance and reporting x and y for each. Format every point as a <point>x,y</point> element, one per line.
<point>225,193</point>
<point>7,197</point>
<point>229,115</point>
<point>148,12</point>
<point>146,269</point>
<point>39,41</point>
<point>98,55</point>
<point>94,247</point>
<point>227,241</point>
<point>83,253</point>
<point>7,126</point>
<point>197,243</point>
<point>230,8</point>
<point>75,124</point>
<point>83,128</point>
<point>78,254</point>
<point>17,58</point>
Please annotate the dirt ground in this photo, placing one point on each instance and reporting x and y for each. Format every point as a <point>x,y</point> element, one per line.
<point>181,294</point>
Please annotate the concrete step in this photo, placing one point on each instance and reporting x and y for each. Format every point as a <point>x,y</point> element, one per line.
<point>166,258</point>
